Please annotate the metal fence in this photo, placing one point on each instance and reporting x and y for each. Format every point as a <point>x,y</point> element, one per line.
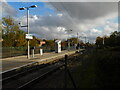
<point>19,51</point>
<point>13,51</point>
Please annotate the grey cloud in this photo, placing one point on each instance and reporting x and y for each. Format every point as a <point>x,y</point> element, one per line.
<point>86,10</point>
<point>83,0</point>
<point>7,10</point>
<point>63,0</point>
<point>80,17</point>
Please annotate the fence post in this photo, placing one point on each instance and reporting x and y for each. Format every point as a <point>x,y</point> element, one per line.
<point>66,56</point>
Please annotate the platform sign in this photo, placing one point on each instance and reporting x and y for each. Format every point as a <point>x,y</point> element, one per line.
<point>29,36</point>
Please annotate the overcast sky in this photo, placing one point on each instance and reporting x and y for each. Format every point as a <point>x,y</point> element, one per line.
<point>51,19</point>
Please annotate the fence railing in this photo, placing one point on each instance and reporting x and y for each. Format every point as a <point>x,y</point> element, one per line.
<point>13,51</point>
<point>19,51</point>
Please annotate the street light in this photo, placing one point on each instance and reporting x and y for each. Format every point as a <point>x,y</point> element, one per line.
<point>77,37</point>
<point>33,6</point>
<point>27,8</point>
<point>103,41</point>
<point>68,40</point>
<point>83,37</point>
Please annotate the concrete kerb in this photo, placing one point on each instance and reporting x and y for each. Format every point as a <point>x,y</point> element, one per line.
<point>55,57</point>
<point>19,67</point>
<point>24,56</point>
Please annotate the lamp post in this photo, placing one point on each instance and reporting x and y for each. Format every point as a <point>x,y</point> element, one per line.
<point>77,37</point>
<point>27,8</point>
<point>68,40</point>
<point>103,41</point>
<point>85,39</point>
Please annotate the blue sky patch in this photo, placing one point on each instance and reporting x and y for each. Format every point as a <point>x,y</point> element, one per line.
<point>114,20</point>
<point>40,10</point>
<point>100,27</point>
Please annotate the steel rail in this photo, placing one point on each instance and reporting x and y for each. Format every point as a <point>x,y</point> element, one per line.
<point>28,84</point>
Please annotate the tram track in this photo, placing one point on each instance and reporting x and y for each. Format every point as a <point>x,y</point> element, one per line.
<point>29,76</point>
<point>42,76</point>
<point>26,78</point>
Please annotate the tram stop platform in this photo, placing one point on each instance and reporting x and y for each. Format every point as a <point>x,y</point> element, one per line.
<point>7,64</point>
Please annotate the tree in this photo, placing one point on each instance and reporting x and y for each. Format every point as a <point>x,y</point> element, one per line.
<point>111,41</point>
<point>115,38</point>
<point>99,41</point>
<point>12,34</point>
<point>34,42</point>
<point>73,41</point>
<point>50,44</point>
<point>106,41</point>
<point>20,39</point>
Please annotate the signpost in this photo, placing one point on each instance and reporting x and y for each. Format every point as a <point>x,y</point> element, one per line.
<point>29,36</point>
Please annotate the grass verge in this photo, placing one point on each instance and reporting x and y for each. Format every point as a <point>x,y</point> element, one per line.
<point>97,69</point>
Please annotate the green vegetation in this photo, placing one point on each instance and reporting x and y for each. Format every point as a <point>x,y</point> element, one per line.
<point>50,44</point>
<point>13,36</point>
<point>73,41</point>
<point>97,69</point>
<point>111,41</point>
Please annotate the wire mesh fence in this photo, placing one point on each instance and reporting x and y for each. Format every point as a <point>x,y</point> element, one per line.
<point>13,51</point>
<point>19,51</point>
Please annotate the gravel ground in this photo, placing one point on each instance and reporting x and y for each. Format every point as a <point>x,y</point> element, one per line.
<point>57,79</point>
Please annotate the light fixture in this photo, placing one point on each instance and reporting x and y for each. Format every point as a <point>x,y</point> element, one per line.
<point>33,6</point>
<point>22,8</point>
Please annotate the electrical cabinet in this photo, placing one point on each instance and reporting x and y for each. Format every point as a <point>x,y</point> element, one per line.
<point>58,46</point>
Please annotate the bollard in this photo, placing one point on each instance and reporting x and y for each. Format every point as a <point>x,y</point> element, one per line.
<point>67,71</point>
<point>33,53</point>
<point>41,51</point>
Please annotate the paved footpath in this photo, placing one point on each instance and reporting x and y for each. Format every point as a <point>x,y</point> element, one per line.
<point>15,62</point>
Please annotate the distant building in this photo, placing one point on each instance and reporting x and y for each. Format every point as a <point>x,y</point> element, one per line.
<point>40,42</point>
<point>1,39</point>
